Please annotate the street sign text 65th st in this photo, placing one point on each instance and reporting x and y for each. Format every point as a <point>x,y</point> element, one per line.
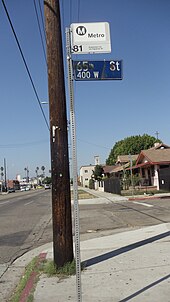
<point>97,70</point>
<point>90,38</point>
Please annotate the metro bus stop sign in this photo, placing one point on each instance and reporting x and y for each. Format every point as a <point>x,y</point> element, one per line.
<point>97,70</point>
<point>90,38</point>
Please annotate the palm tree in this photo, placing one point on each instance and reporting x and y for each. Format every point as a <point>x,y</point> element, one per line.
<point>36,171</point>
<point>2,174</point>
<point>27,174</point>
<point>43,169</point>
<point>25,171</point>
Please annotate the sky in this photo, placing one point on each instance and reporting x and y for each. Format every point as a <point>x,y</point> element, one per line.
<point>106,111</point>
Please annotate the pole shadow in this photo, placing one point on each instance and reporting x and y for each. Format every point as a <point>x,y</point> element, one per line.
<point>125,249</point>
<point>145,288</point>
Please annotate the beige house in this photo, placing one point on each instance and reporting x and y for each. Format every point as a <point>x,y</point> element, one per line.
<point>85,175</point>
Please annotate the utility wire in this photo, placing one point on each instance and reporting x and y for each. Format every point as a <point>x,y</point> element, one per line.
<point>39,27</point>
<point>92,144</point>
<point>26,66</point>
<point>24,144</point>
<point>42,20</point>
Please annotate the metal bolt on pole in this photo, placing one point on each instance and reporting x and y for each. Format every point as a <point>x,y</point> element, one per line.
<point>74,162</point>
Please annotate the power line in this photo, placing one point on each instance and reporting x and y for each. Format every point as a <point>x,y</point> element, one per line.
<point>93,144</point>
<point>24,144</point>
<point>42,20</point>
<point>39,27</point>
<point>25,63</point>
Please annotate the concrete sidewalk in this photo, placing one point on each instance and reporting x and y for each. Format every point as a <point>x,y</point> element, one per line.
<point>129,266</point>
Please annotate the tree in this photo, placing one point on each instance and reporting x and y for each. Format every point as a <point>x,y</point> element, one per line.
<point>98,172</point>
<point>25,171</point>
<point>36,171</point>
<point>47,180</point>
<point>2,174</point>
<point>131,145</point>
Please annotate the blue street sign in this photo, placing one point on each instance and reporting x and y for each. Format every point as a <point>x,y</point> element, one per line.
<point>97,70</point>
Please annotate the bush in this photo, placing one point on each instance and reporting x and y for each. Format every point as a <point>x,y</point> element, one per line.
<point>91,184</point>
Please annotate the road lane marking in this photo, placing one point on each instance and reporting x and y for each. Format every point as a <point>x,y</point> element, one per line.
<point>143,204</point>
<point>25,204</point>
<point>4,202</point>
<point>10,200</point>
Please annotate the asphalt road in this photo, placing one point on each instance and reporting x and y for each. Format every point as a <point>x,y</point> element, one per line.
<point>106,219</point>
<point>24,219</point>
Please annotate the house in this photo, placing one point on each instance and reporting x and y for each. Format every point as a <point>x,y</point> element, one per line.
<point>123,162</point>
<point>86,173</point>
<point>13,184</point>
<point>150,164</point>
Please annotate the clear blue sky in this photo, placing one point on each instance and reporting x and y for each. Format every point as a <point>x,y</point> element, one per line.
<point>106,111</point>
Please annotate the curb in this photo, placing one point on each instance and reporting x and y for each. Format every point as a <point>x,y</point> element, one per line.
<point>148,197</point>
<point>31,281</point>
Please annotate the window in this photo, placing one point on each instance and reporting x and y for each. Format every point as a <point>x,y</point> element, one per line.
<point>86,179</point>
<point>86,171</point>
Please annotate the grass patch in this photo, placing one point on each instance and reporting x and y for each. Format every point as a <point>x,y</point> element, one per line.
<point>83,195</point>
<point>67,270</point>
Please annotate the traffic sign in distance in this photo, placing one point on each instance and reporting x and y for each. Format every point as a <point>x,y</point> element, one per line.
<point>97,70</point>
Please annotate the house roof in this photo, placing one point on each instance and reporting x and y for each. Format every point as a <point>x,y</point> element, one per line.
<point>159,146</point>
<point>154,156</point>
<point>112,169</point>
<point>126,158</point>
<point>108,169</point>
<point>87,166</point>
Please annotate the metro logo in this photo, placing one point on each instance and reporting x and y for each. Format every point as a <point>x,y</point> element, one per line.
<point>81,30</point>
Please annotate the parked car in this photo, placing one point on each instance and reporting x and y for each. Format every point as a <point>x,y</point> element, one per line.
<point>27,188</point>
<point>46,187</point>
<point>11,190</point>
<point>22,188</point>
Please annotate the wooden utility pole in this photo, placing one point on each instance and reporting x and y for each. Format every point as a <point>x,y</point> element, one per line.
<point>61,199</point>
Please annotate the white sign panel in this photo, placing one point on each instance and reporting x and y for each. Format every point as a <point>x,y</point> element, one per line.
<point>90,38</point>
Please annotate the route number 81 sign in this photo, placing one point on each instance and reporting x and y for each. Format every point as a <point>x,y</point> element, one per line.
<point>90,38</point>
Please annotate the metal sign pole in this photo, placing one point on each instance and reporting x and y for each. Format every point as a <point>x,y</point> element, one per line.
<point>74,161</point>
